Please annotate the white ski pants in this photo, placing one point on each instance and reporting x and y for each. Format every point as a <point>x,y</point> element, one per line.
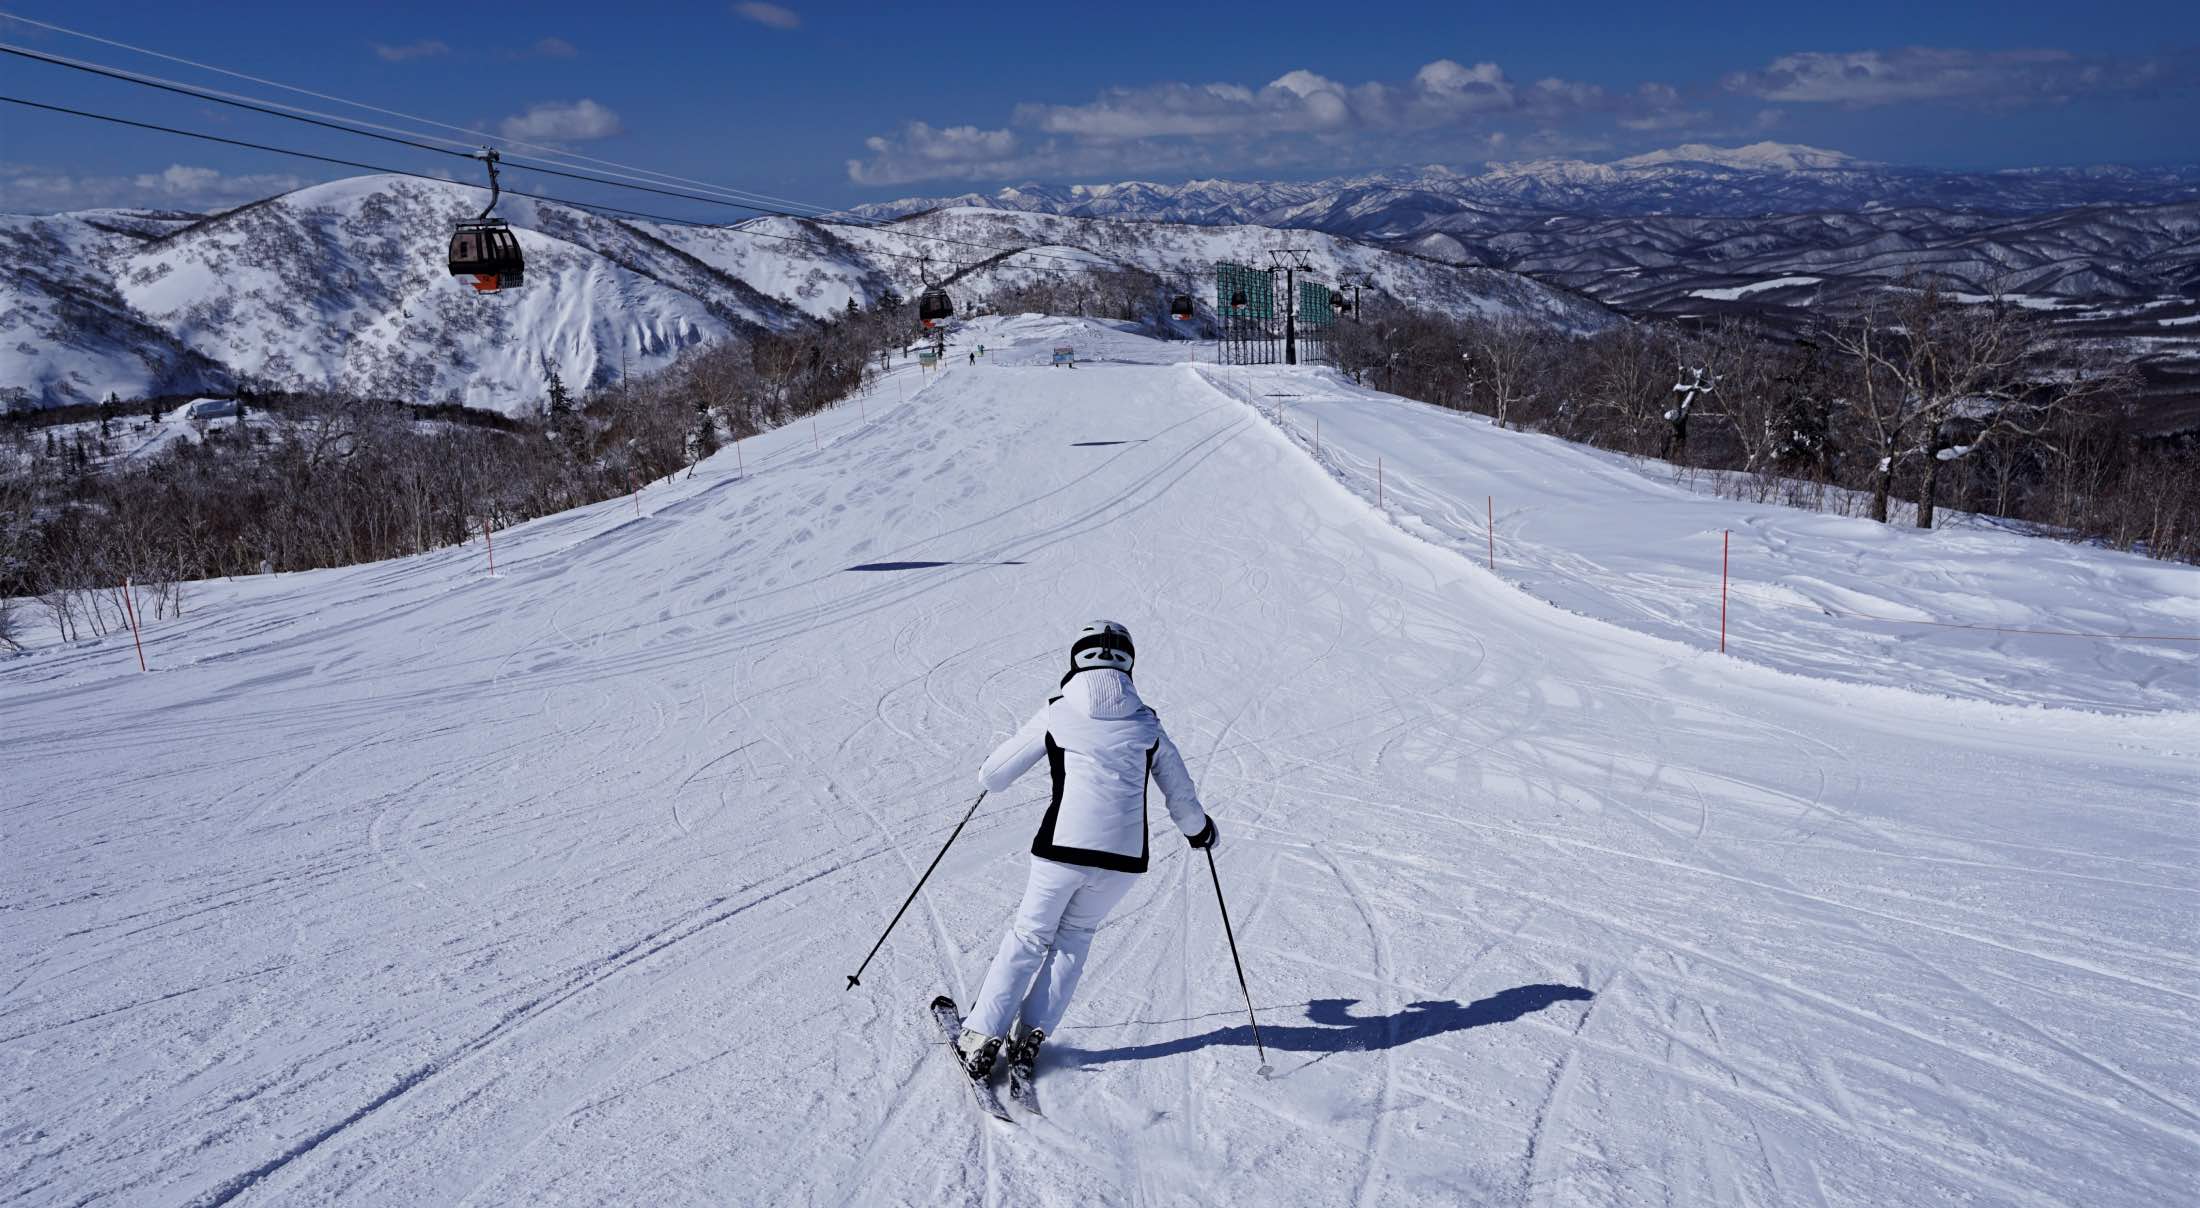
<point>1043,954</point>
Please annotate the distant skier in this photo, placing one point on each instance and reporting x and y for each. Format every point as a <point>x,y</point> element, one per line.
<point>1101,742</point>
<point>973,358</point>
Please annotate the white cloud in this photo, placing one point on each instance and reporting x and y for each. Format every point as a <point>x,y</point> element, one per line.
<point>1443,93</point>
<point>922,152</point>
<point>26,188</point>
<point>413,50</point>
<point>562,121</point>
<point>1456,110</point>
<point>555,48</point>
<point>1922,74</point>
<point>768,14</point>
<point>1299,117</point>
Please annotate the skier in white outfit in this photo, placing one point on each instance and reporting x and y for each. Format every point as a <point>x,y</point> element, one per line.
<point>1101,743</point>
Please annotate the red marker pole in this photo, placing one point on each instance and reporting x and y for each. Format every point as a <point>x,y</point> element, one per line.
<point>130,608</point>
<point>1489,526</point>
<point>637,497</point>
<point>740,463</point>
<point>492,543</point>
<point>814,441</point>
<point>1725,538</point>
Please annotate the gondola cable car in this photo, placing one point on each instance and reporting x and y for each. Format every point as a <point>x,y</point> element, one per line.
<point>1180,308</point>
<point>933,304</point>
<point>485,248</point>
<point>1237,301</point>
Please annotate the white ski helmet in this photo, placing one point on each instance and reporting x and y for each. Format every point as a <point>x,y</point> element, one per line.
<point>1101,644</point>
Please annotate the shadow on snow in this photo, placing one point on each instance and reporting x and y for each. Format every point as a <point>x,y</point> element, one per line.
<point>1332,1027</point>
<point>923,565</point>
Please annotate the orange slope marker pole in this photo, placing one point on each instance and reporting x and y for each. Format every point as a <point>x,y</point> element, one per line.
<point>129,607</point>
<point>1726,538</point>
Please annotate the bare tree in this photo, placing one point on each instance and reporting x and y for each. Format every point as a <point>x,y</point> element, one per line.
<point>1936,376</point>
<point>1505,360</point>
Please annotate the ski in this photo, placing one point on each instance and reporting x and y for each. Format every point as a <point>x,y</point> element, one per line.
<point>949,1020</point>
<point>1023,1086</point>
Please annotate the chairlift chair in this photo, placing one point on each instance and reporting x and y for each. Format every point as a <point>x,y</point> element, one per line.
<point>485,248</point>
<point>1339,303</point>
<point>1237,301</point>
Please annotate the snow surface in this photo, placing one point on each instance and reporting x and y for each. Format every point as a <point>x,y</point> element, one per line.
<point>1810,592</point>
<point>1731,293</point>
<point>2027,301</point>
<point>1756,157</point>
<point>404,883</point>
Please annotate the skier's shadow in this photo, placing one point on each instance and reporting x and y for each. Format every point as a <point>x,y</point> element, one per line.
<point>1334,1029</point>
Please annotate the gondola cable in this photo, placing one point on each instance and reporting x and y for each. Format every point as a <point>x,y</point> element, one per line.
<point>327,121</point>
<point>473,135</point>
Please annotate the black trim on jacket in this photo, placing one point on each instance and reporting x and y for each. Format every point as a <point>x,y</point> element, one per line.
<point>1044,846</point>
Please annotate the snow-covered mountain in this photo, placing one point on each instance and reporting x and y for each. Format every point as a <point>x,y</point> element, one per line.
<point>66,332</point>
<point>345,284</point>
<point>1775,229</point>
<point>1762,178</point>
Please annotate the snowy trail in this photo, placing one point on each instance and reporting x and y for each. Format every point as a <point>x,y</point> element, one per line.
<point>405,884</point>
<point>1966,610</point>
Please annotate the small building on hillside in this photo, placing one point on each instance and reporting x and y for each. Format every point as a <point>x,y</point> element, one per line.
<point>205,409</point>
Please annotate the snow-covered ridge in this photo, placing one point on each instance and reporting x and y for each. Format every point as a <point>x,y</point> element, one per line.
<point>1695,178</point>
<point>345,285</point>
<point>1756,157</point>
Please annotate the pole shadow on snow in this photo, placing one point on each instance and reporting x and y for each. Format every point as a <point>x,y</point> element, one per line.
<point>1098,444</point>
<point>1333,1028</point>
<point>923,565</point>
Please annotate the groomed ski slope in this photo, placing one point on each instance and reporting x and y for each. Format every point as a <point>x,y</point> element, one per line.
<point>407,884</point>
<point>1968,609</point>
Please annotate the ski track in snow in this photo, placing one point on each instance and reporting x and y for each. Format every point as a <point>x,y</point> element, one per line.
<point>406,884</point>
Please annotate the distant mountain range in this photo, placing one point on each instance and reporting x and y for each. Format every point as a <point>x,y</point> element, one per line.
<point>1695,179</point>
<point>1774,231</point>
<point>345,285</point>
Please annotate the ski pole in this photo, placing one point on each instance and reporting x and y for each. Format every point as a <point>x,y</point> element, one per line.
<point>1264,1066</point>
<point>853,981</point>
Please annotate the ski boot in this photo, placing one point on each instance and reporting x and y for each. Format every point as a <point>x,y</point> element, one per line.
<point>1024,1052</point>
<point>1023,1061</point>
<point>977,1052</point>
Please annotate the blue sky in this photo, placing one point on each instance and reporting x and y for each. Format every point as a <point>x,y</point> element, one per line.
<point>833,104</point>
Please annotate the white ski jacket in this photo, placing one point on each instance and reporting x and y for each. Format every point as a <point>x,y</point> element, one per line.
<point>1101,743</point>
